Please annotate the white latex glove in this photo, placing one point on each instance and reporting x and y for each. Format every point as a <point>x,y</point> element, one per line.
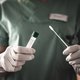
<point>14,57</point>
<point>73,57</point>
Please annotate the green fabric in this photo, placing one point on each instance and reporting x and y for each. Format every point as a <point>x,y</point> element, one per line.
<point>3,37</point>
<point>20,19</point>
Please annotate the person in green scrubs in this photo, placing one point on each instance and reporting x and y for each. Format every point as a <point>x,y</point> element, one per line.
<point>18,20</point>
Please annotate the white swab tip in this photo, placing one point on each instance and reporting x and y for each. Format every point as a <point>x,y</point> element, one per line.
<point>51,27</point>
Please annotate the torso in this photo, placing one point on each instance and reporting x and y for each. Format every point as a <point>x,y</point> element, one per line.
<point>49,62</point>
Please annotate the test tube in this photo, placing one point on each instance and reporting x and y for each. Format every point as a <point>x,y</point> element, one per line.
<point>32,39</point>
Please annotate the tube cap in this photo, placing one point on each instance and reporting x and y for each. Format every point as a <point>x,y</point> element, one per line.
<point>35,34</point>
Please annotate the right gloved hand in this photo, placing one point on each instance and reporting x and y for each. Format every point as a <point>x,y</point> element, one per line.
<point>12,59</point>
<point>73,57</point>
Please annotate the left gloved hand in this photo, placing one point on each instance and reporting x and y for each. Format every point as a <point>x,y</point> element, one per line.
<point>73,57</point>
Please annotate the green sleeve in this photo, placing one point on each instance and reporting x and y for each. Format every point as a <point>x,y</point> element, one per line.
<point>3,33</point>
<point>3,37</point>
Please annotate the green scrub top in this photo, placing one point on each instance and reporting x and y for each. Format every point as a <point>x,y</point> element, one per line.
<point>19,18</point>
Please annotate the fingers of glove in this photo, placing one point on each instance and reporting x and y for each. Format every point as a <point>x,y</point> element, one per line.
<point>18,68</point>
<point>73,56</point>
<point>22,57</point>
<point>71,49</point>
<point>74,62</point>
<point>20,49</point>
<point>15,62</point>
<point>76,68</point>
<point>68,57</point>
<point>8,67</point>
<point>11,68</point>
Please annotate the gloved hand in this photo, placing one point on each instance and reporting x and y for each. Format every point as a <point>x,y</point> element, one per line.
<point>12,59</point>
<point>73,57</point>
